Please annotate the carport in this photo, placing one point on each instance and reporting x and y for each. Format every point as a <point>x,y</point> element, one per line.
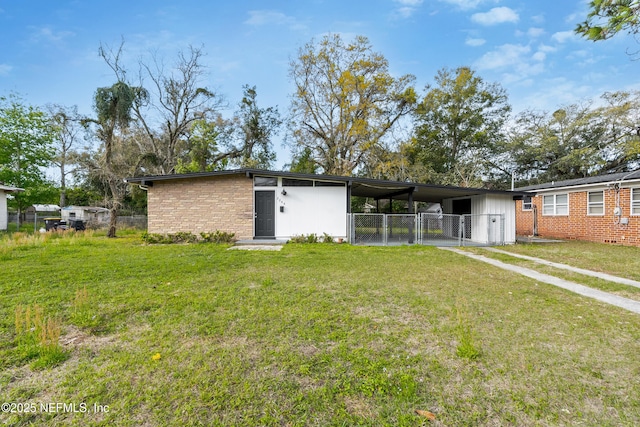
<point>469,216</point>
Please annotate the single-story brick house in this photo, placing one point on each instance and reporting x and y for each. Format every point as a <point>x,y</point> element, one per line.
<point>259,204</point>
<point>604,208</point>
<point>4,191</point>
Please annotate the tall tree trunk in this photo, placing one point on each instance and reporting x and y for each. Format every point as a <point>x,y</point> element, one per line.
<point>115,205</point>
<point>63,186</point>
<point>113,221</point>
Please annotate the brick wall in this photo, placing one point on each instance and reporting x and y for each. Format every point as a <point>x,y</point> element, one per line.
<point>222,203</point>
<point>580,226</point>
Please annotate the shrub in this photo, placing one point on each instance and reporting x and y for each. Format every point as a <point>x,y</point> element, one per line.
<point>218,237</point>
<point>188,237</point>
<point>310,238</point>
<point>183,237</point>
<point>155,238</point>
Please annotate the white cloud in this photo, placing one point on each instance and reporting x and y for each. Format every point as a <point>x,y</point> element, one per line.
<point>517,62</point>
<point>258,18</point>
<point>547,49</point>
<point>538,19</point>
<point>508,55</point>
<point>5,69</point>
<point>539,56</point>
<point>563,36</point>
<point>534,32</point>
<point>409,2</point>
<point>557,92</point>
<point>475,42</point>
<point>408,8</point>
<point>464,4</point>
<point>404,12</point>
<point>48,35</point>
<point>497,15</point>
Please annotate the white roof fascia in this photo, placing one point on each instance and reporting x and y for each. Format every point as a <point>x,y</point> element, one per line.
<point>582,186</point>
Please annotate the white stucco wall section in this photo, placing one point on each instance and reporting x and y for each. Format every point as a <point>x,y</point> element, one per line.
<point>310,210</point>
<point>3,210</point>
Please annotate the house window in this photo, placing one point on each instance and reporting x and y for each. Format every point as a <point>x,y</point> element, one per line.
<point>635,201</point>
<point>329,184</point>
<point>287,182</point>
<point>263,181</point>
<point>595,203</point>
<point>555,204</point>
<point>72,214</point>
<point>527,204</point>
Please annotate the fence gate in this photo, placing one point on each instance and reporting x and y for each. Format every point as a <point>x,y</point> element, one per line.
<point>383,229</point>
<point>441,229</point>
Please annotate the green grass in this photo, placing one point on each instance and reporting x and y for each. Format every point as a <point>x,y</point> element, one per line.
<point>626,291</point>
<point>618,260</point>
<point>313,335</point>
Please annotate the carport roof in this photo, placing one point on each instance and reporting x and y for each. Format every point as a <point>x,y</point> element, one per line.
<point>361,187</point>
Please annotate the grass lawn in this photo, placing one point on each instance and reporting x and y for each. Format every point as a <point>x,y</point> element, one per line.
<point>623,261</point>
<point>625,264</point>
<point>313,335</point>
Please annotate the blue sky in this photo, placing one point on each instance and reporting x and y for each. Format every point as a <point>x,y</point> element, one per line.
<point>49,49</point>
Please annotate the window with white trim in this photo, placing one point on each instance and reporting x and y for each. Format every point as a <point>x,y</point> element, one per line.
<point>555,204</point>
<point>635,201</point>
<point>595,203</point>
<point>527,204</point>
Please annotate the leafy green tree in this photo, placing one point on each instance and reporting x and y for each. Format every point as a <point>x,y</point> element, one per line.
<point>345,102</point>
<point>83,195</point>
<point>458,129</point>
<point>203,154</point>
<point>26,148</point>
<point>113,107</point>
<point>243,141</point>
<point>303,162</point>
<point>577,140</point>
<point>257,127</point>
<point>610,17</point>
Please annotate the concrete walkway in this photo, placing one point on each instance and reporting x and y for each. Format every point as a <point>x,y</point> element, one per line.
<point>603,276</point>
<point>618,301</point>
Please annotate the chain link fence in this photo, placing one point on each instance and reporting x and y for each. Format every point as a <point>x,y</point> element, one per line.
<point>124,221</point>
<point>426,229</point>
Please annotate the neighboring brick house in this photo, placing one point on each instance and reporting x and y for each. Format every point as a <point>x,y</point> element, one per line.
<point>259,204</point>
<point>604,208</point>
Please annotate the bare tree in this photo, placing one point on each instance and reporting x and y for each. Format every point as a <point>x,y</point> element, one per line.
<point>177,101</point>
<point>67,123</point>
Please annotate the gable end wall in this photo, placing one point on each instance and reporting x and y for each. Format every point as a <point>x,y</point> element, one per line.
<point>204,204</point>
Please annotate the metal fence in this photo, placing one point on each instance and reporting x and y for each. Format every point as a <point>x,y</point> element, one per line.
<point>426,229</point>
<point>124,221</point>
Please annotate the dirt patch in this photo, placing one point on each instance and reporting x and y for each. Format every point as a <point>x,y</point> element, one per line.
<point>359,407</point>
<point>75,338</point>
